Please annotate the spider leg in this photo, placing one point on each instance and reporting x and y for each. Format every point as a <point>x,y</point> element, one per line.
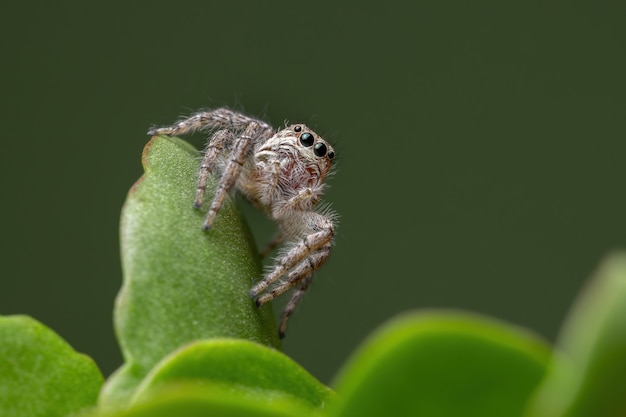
<point>301,271</point>
<point>295,299</point>
<point>233,168</point>
<point>318,235</point>
<point>207,120</point>
<point>214,147</point>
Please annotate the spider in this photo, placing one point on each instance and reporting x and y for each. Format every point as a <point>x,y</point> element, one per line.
<point>280,172</point>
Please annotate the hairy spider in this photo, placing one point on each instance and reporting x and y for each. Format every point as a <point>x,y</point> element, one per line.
<point>282,173</point>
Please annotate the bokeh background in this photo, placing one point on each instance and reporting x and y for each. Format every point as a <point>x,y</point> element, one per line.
<point>481,149</point>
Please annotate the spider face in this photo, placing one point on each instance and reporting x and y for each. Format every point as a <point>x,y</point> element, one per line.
<point>313,151</point>
<point>283,174</point>
<point>289,171</point>
<point>309,139</point>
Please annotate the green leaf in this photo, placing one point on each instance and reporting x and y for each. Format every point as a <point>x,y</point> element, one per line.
<point>40,374</point>
<point>187,399</point>
<point>180,282</point>
<point>246,368</point>
<point>442,364</point>
<point>589,378</point>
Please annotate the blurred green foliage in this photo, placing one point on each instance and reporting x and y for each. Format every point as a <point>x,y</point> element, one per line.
<point>193,353</point>
<point>479,149</point>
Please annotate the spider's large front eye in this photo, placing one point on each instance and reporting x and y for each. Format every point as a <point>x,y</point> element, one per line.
<point>307,139</point>
<point>320,149</point>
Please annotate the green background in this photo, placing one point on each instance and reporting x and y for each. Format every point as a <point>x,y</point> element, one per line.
<point>481,149</point>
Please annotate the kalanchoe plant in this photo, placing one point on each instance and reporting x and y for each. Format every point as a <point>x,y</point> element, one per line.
<point>194,343</point>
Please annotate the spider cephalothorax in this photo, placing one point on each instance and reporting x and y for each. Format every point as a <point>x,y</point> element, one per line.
<point>282,173</point>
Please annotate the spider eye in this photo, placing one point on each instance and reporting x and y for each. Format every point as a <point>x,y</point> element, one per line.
<point>320,149</point>
<point>298,128</point>
<point>331,155</point>
<point>307,139</point>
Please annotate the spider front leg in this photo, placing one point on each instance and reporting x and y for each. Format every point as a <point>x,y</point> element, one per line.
<point>295,299</point>
<point>301,276</point>
<point>298,263</point>
<point>307,266</point>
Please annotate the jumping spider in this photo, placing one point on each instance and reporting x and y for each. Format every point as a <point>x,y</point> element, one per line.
<point>282,173</point>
